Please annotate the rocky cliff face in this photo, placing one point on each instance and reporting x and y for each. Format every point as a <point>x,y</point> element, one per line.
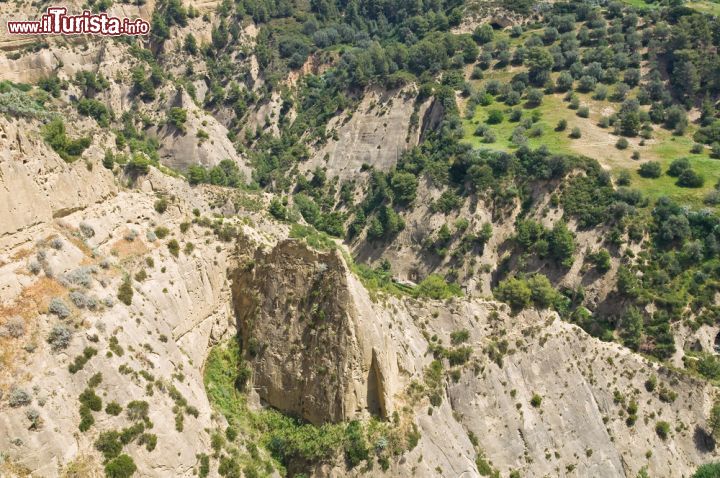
<point>531,394</point>
<point>70,241</point>
<point>376,133</point>
<point>484,388</point>
<point>114,290</point>
<point>300,329</point>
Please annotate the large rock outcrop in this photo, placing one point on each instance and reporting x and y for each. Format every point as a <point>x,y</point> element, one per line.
<point>312,354</point>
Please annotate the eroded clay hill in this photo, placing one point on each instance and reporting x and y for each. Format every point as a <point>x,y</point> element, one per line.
<point>526,392</point>
<point>115,289</point>
<point>118,288</point>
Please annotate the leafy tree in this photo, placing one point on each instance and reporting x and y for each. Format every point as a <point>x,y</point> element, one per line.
<point>122,466</point>
<point>96,110</point>
<point>309,210</point>
<point>564,82</point>
<point>678,166</point>
<point>676,119</point>
<point>197,175</point>
<point>714,419</point>
<point>447,202</point>
<point>404,186</point>
<point>632,77</point>
<point>125,292</point>
<point>108,160</point>
<point>708,134</point>
<point>708,470</point>
<point>108,443</point>
<point>690,179</point>
<point>539,62</point>
<point>629,118</point>
<point>51,84</point>
<point>91,83</point>
<point>515,292</point>
<point>651,169</point>
<point>586,83</point>
<point>190,44</point>
<point>357,449</point>
<point>138,165</point>
<point>631,328</point>
<point>177,117</point>
<point>709,366</point>
<point>561,244</point>
<point>375,229</point>
<point>601,259</point>
<point>435,287</point>
<point>543,294</point>
<point>278,210</point>
<point>68,149</point>
<point>483,34</point>
<point>495,117</point>
<point>534,97</point>
<point>391,221</point>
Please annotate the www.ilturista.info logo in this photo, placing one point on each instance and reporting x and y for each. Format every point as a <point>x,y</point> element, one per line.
<point>57,22</point>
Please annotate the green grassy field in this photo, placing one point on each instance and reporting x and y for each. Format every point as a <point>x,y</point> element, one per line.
<point>712,8</point>
<point>664,147</point>
<point>665,185</point>
<point>704,6</point>
<point>551,111</point>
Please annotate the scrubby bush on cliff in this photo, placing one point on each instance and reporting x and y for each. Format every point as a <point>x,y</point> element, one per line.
<point>59,337</point>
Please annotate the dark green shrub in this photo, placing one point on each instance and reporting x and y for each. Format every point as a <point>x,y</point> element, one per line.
<point>149,440</point>
<point>708,470</point>
<point>459,336</point>
<point>80,361</point>
<point>138,165</point>
<point>122,466</point>
<point>173,247</point>
<point>662,429</point>
<point>690,179</point>
<point>161,205</point>
<point>651,169</point>
<point>515,292</point>
<point>125,292</point>
<point>96,110</point>
<point>678,166</point>
<point>137,410</point>
<point>278,210</point>
<point>177,117</point>
<point>108,443</point>
<point>536,400</point>
<point>161,232</point>
<point>115,346</point>
<point>91,400</point>
<point>86,418</point>
<point>495,117</point>
<point>601,259</point>
<point>113,408</point>
<point>68,149</point>
<point>356,450</point>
